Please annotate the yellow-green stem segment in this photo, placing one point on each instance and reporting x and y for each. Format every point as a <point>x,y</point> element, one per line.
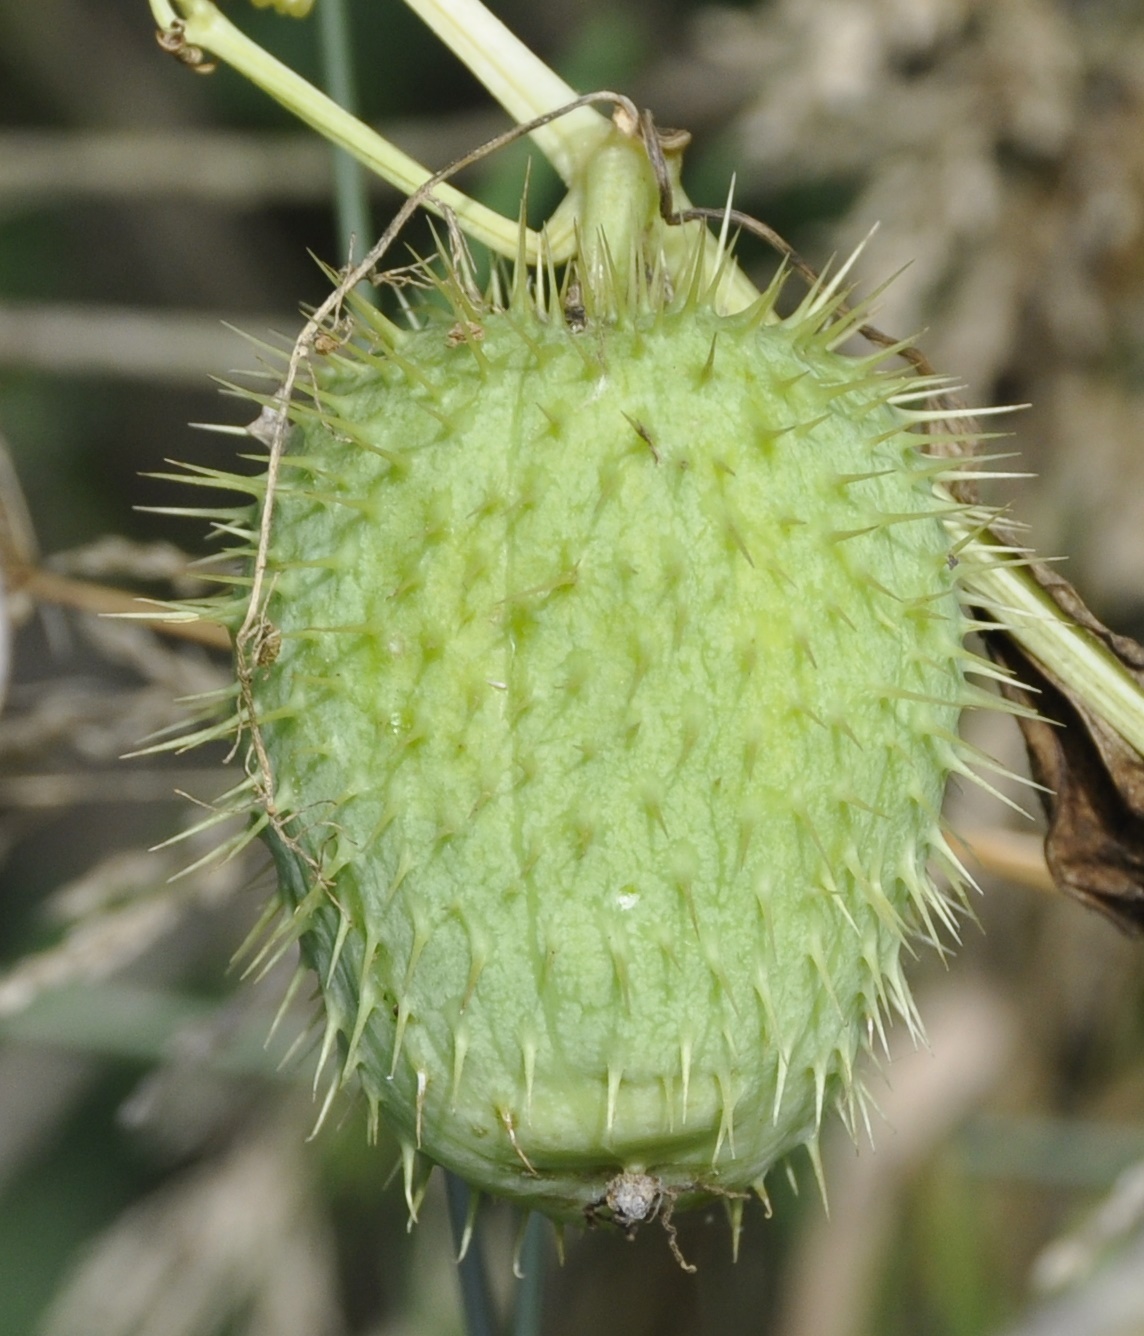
<point>1050,636</point>
<point>206,27</point>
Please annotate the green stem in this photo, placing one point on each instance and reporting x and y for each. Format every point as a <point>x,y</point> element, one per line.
<point>204,26</point>
<point>519,79</point>
<point>476,1298</point>
<point>1067,650</point>
<point>526,1319</point>
<point>351,201</point>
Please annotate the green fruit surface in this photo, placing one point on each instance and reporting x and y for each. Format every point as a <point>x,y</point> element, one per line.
<point>618,682</point>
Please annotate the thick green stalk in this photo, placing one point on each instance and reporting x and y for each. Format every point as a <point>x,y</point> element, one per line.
<point>1050,636</point>
<point>521,82</point>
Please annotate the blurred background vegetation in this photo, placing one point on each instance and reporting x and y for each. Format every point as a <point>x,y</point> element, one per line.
<point>155,1175</point>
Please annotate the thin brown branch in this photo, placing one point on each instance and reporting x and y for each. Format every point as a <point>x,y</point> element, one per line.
<point>106,601</point>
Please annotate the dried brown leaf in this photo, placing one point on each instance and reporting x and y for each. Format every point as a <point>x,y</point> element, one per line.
<point>1094,780</point>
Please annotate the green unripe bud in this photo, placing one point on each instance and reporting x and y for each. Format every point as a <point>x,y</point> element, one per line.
<point>618,668</point>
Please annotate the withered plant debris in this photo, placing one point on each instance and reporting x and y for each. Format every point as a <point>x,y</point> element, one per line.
<point>1093,780</point>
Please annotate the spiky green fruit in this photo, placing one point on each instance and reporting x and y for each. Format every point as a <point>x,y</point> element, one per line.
<point>610,674</point>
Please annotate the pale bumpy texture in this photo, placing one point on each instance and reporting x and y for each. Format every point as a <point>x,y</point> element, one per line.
<point>617,688</point>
